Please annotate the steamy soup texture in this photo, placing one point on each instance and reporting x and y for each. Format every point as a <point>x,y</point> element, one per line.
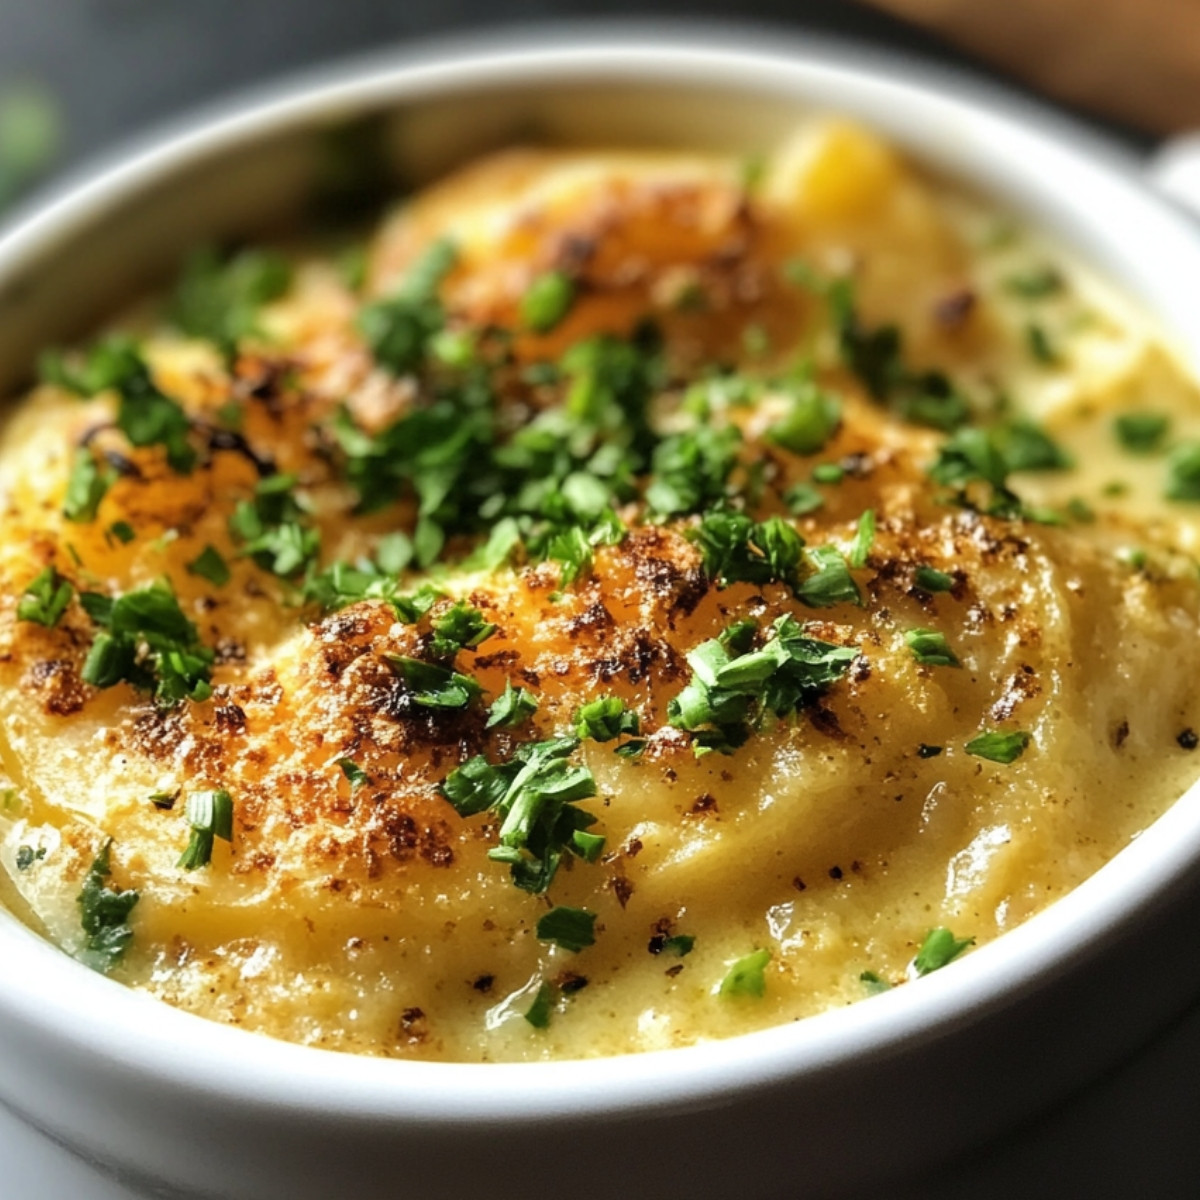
<point>624,600</point>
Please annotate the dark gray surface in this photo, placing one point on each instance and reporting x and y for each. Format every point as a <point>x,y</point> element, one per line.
<point>120,65</point>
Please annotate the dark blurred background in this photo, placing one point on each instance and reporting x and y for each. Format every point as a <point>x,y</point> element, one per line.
<point>78,76</point>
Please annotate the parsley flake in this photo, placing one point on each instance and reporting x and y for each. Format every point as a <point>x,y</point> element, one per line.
<point>272,528</point>
<point>864,539</point>
<point>354,773</point>
<point>218,299</point>
<point>605,719</point>
<point>930,648</point>
<point>571,928</point>
<point>730,694</point>
<point>512,708</point>
<point>539,1012</point>
<point>999,747</point>
<point>1183,472</point>
<point>1141,432</point>
<point>830,583</point>
<point>104,913</point>
<point>939,948</point>
<point>209,564</point>
<point>210,815</point>
<point>147,642</point>
<point>547,302</point>
<point>398,329</point>
<point>45,599</point>
<point>812,419</point>
<point>930,579</point>
<point>747,976</point>
<point>87,485</point>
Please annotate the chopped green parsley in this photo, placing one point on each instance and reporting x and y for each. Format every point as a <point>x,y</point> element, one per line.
<point>104,913</point>
<point>571,928</point>
<point>1141,432</point>
<point>939,948</point>
<point>747,976</point>
<point>45,599</point>
<point>930,648</point>
<point>209,564</point>
<point>547,302</point>
<point>1183,472</point>
<point>999,747</point>
<point>354,773</point>
<point>731,694</point>
<point>210,816</point>
<point>534,793</point>
<point>606,719</point>
<point>273,529</point>
<point>147,641</point>
<point>930,579</point>
<point>512,708</point>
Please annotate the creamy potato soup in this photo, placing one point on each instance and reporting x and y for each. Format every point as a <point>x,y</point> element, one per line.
<point>629,599</point>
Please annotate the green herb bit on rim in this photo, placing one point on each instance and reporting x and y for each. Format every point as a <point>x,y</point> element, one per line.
<point>939,948</point>
<point>104,913</point>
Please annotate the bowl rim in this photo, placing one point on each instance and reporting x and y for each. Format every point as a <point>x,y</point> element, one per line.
<point>46,992</point>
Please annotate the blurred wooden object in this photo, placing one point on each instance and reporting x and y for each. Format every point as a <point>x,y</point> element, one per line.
<point>1135,60</point>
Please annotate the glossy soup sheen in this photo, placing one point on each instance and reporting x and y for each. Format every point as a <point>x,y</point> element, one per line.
<point>627,600</point>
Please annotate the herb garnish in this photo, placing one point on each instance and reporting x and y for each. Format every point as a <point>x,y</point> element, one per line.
<point>812,419</point>
<point>731,694</point>
<point>272,528</point>
<point>354,773</point>
<point>87,485</point>
<point>433,685</point>
<point>747,977</point>
<point>1141,432</point>
<point>606,719</point>
<point>219,298</point>
<point>148,642</point>
<point>210,815</point>
<point>864,539</point>
<point>398,329</point>
<point>1183,472</point>
<point>571,928</point>
<point>547,301</point>
<point>930,579</point>
<point>535,793</point>
<point>737,549</point>
<point>930,648</point>
<point>512,708</point>
<point>209,564</point>
<point>691,470</point>
<point>999,747</point>
<point>104,914</point>
<point>873,984</point>
<point>831,582</point>
<point>539,1012</point>
<point>45,599</point>
<point>939,948</point>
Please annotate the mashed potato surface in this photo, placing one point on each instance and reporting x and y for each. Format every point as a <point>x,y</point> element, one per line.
<point>636,599</point>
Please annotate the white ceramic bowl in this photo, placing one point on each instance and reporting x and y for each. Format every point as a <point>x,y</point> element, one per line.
<point>814,1108</point>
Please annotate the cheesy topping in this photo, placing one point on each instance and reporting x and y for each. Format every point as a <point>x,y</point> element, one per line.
<point>635,601</point>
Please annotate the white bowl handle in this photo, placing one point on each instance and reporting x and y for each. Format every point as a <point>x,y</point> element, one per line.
<point>1175,168</point>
